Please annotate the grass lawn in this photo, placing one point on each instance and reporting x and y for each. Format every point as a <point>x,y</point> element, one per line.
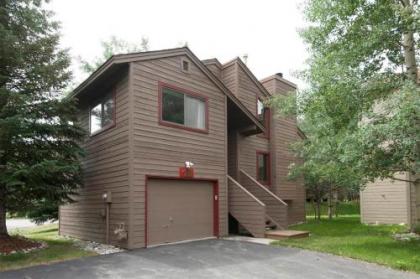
<point>346,236</point>
<point>343,208</point>
<point>58,249</point>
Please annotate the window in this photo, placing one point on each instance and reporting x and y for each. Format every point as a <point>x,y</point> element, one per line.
<point>263,115</point>
<point>263,167</point>
<point>102,115</point>
<point>260,110</point>
<point>183,109</point>
<point>185,65</point>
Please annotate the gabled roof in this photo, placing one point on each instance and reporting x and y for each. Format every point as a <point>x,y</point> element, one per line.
<point>276,76</point>
<point>120,59</point>
<point>248,72</point>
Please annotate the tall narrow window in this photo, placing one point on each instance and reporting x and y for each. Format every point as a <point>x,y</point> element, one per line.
<point>263,114</point>
<point>183,109</point>
<point>102,114</point>
<point>263,168</point>
<point>260,110</point>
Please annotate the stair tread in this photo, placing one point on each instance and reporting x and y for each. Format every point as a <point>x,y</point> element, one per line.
<point>282,234</point>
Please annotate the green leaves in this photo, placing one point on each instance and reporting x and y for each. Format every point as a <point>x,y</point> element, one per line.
<point>361,111</point>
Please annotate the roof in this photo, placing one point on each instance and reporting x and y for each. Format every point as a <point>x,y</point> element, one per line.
<point>248,72</point>
<point>279,78</point>
<point>116,61</point>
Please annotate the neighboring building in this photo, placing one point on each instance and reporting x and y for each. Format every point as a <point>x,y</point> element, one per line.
<point>148,113</point>
<point>391,202</point>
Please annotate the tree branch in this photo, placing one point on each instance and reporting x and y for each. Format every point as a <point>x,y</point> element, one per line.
<point>404,180</point>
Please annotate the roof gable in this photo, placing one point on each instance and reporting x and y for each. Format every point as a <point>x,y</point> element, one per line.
<point>121,59</point>
<point>249,74</point>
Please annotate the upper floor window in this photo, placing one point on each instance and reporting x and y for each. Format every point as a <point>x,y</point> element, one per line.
<point>263,167</point>
<point>183,108</point>
<point>185,65</point>
<point>102,114</point>
<point>263,114</point>
<point>260,109</point>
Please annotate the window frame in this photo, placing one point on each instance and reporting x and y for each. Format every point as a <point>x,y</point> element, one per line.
<point>268,182</point>
<point>98,101</point>
<point>163,85</point>
<point>184,60</point>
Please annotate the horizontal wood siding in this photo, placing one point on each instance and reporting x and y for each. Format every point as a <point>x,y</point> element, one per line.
<point>385,201</point>
<point>233,154</point>
<point>215,70</point>
<point>276,209</point>
<point>284,132</point>
<point>161,150</point>
<point>245,208</point>
<point>247,91</point>
<point>105,169</point>
<point>230,78</point>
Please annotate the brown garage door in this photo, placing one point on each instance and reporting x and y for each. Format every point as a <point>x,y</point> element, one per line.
<point>178,210</point>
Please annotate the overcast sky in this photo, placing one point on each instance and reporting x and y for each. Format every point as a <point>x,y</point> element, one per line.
<point>265,30</point>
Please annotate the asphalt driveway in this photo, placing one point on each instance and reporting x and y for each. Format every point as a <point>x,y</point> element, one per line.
<point>211,259</point>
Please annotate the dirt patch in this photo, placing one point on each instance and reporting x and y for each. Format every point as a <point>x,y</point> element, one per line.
<point>14,244</point>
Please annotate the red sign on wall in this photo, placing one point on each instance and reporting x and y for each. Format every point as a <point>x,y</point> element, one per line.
<point>186,172</point>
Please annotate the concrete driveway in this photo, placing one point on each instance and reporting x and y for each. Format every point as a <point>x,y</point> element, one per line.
<point>211,259</point>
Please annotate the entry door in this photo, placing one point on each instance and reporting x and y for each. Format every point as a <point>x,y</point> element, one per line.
<point>178,210</point>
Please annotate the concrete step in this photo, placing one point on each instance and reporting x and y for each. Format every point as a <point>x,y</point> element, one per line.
<point>286,234</point>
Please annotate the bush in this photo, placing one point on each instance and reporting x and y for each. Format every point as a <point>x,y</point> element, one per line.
<point>416,229</point>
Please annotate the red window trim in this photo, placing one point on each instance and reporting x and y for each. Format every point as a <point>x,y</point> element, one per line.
<point>114,116</point>
<point>161,86</point>
<point>268,182</point>
<point>216,221</point>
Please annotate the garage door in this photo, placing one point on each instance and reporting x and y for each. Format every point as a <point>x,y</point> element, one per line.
<point>179,210</point>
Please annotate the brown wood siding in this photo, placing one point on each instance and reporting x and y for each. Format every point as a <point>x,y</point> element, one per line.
<point>230,78</point>
<point>215,70</point>
<point>385,201</point>
<point>275,209</point>
<point>105,169</point>
<point>246,208</point>
<point>233,154</point>
<point>416,205</point>
<point>248,91</point>
<point>161,150</point>
<point>248,147</point>
<point>284,132</point>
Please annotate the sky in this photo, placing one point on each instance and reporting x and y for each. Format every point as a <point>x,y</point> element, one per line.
<point>265,30</point>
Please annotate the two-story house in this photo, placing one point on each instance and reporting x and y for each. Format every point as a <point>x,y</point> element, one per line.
<point>150,113</point>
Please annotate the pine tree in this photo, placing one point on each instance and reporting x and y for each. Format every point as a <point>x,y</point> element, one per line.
<point>39,135</point>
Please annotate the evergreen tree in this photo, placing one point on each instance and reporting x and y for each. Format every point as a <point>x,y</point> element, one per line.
<point>39,134</point>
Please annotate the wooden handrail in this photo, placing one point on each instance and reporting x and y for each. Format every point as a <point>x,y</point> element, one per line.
<point>263,187</point>
<point>245,190</point>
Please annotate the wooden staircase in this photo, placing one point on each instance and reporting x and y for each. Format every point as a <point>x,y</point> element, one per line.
<point>258,210</point>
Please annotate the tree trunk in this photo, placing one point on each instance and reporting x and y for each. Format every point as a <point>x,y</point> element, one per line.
<point>409,47</point>
<point>336,203</point>
<point>318,209</point>
<point>3,228</point>
<point>330,204</point>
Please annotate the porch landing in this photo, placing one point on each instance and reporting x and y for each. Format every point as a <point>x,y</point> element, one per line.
<point>285,234</point>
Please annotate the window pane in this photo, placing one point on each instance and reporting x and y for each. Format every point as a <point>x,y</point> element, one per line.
<point>108,111</point>
<point>195,114</point>
<point>95,119</point>
<point>263,167</point>
<point>260,110</point>
<point>172,106</point>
